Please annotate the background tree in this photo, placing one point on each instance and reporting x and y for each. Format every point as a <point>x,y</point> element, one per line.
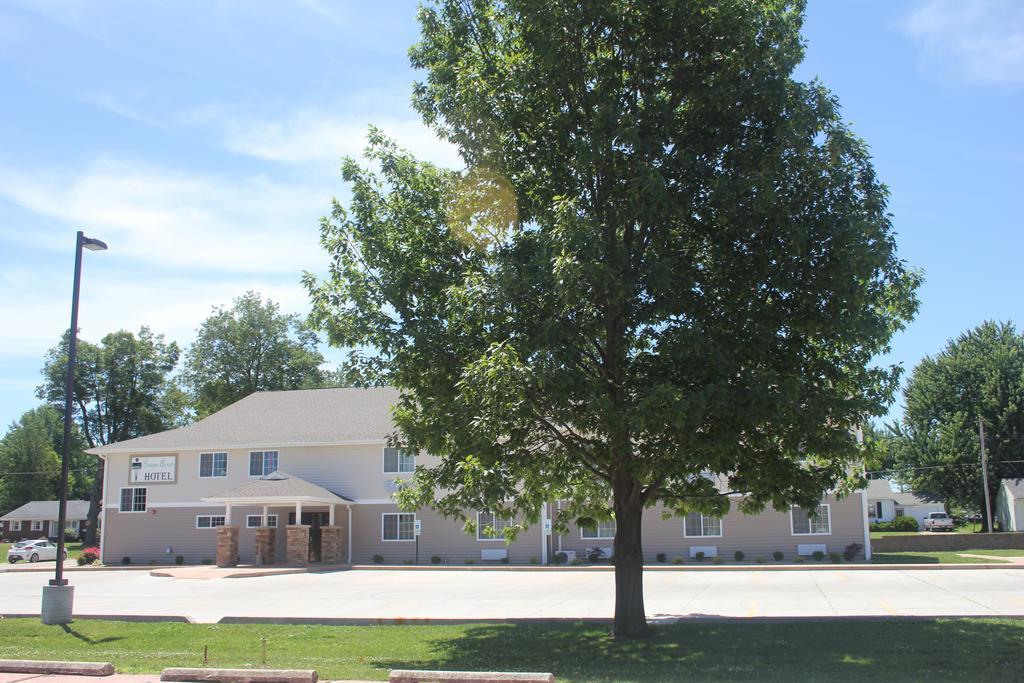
<point>121,391</point>
<point>980,373</point>
<point>667,258</point>
<point>249,347</point>
<point>29,458</point>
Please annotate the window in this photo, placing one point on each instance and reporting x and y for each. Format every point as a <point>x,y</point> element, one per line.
<point>396,461</point>
<point>878,509</point>
<point>209,521</point>
<point>133,500</point>
<point>256,521</point>
<point>262,463</point>
<point>37,525</point>
<point>805,524</point>
<point>16,525</point>
<point>699,524</point>
<point>397,526</point>
<point>602,530</point>
<point>213,465</point>
<point>487,519</point>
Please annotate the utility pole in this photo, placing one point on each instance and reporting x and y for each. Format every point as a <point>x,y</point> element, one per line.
<point>984,475</point>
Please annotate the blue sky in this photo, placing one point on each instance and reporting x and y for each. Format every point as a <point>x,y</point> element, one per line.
<point>202,141</point>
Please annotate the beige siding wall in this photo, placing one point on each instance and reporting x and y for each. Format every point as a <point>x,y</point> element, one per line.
<point>755,535</point>
<point>442,537</point>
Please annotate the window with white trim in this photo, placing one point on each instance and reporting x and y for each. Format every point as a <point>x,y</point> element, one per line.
<point>213,465</point>
<point>805,524</point>
<point>397,461</point>
<point>209,521</point>
<point>16,525</point>
<point>37,525</point>
<point>397,526</point>
<point>133,500</point>
<point>697,524</point>
<point>487,519</point>
<point>262,463</point>
<point>603,530</point>
<point>256,521</point>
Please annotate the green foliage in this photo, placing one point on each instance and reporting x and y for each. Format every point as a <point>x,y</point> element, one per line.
<point>898,523</point>
<point>851,551</point>
<point>836,558</point>
<point>378,559</point>
<point>738,555</point>
<point>778,555</point>
<point>979,374</point>
<point>667,257</point>
<point>699,556</point>
<point>30,458</point>
<point>660,557</point>
<point>435,559</point>
<point>759,559</point>
<point>250,347</point>
<point>818,555</point>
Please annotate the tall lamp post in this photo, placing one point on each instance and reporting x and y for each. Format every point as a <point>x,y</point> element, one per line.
<point>58,597</point>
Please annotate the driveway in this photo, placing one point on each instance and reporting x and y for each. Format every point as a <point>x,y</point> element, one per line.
<point>468,596</point>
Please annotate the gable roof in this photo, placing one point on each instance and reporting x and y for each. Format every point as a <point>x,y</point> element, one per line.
<point>303,417</point>
<point>47,509</point>
<point>881,489</point>
<point>278,485</point>
<point>1014,487</point>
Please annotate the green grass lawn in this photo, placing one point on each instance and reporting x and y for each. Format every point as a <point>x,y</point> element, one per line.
<point>938,557</point>
<point>950,649</point>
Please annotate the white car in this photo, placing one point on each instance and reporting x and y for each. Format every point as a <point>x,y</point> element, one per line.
<point>938,521</point>
<point>33,551</point>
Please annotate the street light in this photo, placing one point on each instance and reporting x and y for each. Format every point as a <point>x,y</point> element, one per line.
<point>58,597</point>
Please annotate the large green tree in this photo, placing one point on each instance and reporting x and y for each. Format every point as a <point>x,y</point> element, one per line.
<point>249,347</point>
<point>667,258</point>
<point>121,390</point>
<point>29,458</point>
<point>979,375</point>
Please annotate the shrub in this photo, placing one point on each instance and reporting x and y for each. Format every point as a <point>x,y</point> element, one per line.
<point>901,523</point>
<point>835,557</point>
<point>406,561</point>
<point>469,560</point>
<point>80,560</point>
<point>504,560</point>
<point>560,558</point>
<point>577,561</point>
<point>699,555</point>
<point>660,557</point>
<point>738,555</point>
<point>677,560</point>
<point>179,559</point>
<point>798,560</point>
<point>534,560</point>
<point>126,560</point>
<point>436,559</point>
<point>759,559</point>
<point>378,559</point>
<point>207,560</point>
<point>778,555</point>
<point>852,551</point>
<point>717,560</point>
<point>90,555</point>
<point>818,555</point>
<point>152,563</point>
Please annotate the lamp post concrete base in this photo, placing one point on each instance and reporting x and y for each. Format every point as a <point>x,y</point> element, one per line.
<point>57,604</point>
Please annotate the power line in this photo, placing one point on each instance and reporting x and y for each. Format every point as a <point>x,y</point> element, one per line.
<point>939,467</point>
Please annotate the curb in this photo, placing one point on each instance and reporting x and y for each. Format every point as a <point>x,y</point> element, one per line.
<point>31,666</point>
<point>140,618</point>
<point>240,675</point>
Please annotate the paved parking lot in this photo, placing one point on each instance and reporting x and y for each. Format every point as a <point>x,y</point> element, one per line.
<point>472,595</point>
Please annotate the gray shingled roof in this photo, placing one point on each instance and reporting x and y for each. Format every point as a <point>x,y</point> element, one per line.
<point>280,418</point>
<point>1016,487</point>
<point>881,489</point>
<point>47,509</point>
<point>278,485</point>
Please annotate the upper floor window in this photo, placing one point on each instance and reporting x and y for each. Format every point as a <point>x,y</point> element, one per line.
<point>396,461</point>
<point>491,528</point>
<point>213,464</point>
<point>805,522</point>
<point>133,500</point>
<point>699,524</point>
<point>262,463</point>
<point>603,530</point>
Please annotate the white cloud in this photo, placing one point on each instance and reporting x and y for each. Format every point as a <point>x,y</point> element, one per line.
<point>981,41</point>
<point>177,219</point>
<point>315,136</point>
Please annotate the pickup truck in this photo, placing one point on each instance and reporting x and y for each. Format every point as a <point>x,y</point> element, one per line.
<point>938,521</point>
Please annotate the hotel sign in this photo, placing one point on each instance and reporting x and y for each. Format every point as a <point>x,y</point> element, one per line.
<point>154,469</point>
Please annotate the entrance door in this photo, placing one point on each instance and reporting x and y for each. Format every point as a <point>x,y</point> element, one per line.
<point>314,520</point>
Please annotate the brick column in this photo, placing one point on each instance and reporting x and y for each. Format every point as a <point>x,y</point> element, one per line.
<point>298,545</point>
<point>331,541</point>
<point>227,546</point>
<point>266,542</point>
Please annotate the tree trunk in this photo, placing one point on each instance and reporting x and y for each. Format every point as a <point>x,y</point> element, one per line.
<point>630,617</point>
<point>95,499</point>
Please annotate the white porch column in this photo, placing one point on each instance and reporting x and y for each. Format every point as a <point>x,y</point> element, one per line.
<point>349,531</point>
<point>266,516</point>
<point>298,512</point>
<point>330,515</point>
<point>227,514</point>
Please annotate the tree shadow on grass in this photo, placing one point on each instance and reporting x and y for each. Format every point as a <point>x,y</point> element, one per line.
<point>739,650</point>
<point>86,639</point>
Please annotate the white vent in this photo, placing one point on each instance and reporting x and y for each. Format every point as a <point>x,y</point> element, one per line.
<point>493,554</point>
<point>708,550</point>
<point>811,548</point>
